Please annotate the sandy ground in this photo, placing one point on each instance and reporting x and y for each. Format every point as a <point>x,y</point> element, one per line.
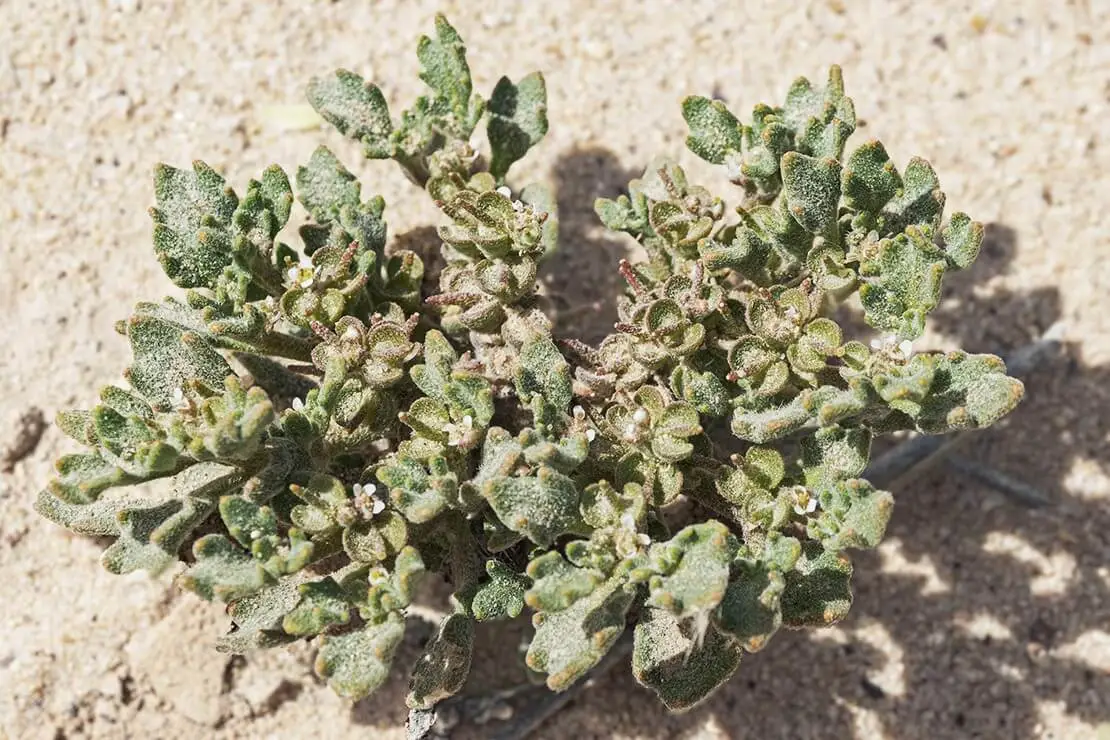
<point>976,618</point>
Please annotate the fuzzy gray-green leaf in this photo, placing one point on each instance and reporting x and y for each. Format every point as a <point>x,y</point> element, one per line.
<point>682,665</point>
<point>355,107</point>
<point>714,131</point>
<point>517,120</point>
<point>356,663</point>
<point>191,217</point>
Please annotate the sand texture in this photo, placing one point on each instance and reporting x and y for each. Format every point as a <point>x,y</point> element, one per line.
<point>976,617</point>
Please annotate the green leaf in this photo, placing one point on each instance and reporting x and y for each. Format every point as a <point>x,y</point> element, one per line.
<point>375,540</point>
<point>434,375</point>
<point>714,131</point>
<point>366,224</point>
<point>968,392</point>
<point>821,119</point>
<point>681,661</point>
<point>443,68</point>
<point>769,424</point>
<point>247,522</point>
<point>222,570</point>
<point>418,495</point>
<point>192,213</point>
<point>751,609</point>
<point>355,664</point>
<point>96,519</point>
<point>541,508</point>
<point>920,201</point>
<point>517,120</point>
<point>500,597</point>
<point>541,368</point>
<point>323,604</point>
<point>167,355</point>
<point>261,214</point>
<point>568,643</point>
<point>833,454</point>
<point>704,391</point>
<point>870,179</point>
<point>853,514</point>
<point>325,186</point>
<point>82,478</point>
<point>818,591</point>
<point>902,283</point>
<point>355,107</point>
<point>150,536</point>
<point>442,670</point>
<point>693,569</point>
<point>603,506</point>
<point>962,240</point>
<point>812,188</point>
<point>557,584</point>
<point>258,616</point>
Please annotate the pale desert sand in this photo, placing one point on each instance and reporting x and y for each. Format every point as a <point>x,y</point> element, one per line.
<point>976,618</point>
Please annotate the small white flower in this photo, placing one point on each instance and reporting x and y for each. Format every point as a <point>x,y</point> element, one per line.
<point>365,502</point>
<point>255,534</point>
<point>732,169</point>
<point>791,313</point>
<point>179,400</point>
<point>890,344</point>
<point>377,576</point>
<point>640,415</point>
<point>627,521</point>
<point>804,503</point>
<point>456,433</point>
<point>303,273</point>
<point>298,404</point>
<point>591,435</point>
<point>630,432</point>
<point>504,190</point>
<point>472,147</point>
<point>579,413</point>
<point>350,333</point>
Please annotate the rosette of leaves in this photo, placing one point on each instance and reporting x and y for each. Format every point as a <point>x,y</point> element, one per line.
<point>447,114</point>
<point>665,213</point>
<point>492,248</point>
<point>319,428</point>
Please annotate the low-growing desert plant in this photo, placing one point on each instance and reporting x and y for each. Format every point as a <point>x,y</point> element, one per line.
<point>331,427</point>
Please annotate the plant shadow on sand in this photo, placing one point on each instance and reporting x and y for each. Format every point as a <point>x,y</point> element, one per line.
<point>971,617</point>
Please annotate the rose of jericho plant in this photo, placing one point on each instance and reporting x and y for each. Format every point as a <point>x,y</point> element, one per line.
<point>330,428</point>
